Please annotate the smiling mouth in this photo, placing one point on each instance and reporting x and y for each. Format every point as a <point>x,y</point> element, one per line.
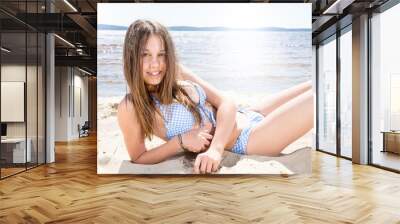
<point>154,73</point>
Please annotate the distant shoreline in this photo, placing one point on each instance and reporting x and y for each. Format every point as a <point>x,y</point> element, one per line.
<point>191,28</point>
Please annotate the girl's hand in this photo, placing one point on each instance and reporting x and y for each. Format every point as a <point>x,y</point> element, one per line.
<point>197,140</point>
<point>208,161</point>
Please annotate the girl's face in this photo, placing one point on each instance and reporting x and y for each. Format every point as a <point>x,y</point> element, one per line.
<point>153,61</point>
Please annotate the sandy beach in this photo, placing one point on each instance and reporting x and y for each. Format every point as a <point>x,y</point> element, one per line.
<point>112,157</point>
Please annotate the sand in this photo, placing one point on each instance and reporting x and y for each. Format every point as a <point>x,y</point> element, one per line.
<point>112,157</point>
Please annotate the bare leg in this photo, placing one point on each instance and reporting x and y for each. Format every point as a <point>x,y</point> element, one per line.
<point>269,104</point>
<point>283,126</point>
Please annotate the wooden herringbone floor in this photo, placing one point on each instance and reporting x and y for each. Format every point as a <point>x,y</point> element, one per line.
<point>70,191</point>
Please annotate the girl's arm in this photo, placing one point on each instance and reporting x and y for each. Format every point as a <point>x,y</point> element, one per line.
<point>226,119</point>
<point>197,139</point>
<point>134,139</point>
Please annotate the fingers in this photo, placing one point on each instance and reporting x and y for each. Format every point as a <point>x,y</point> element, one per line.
<point>197,165</point>
<point>206,135</point>
<point>215,167</point>
<point>204,165</point>
<point>197,140</point>
<point>203,144</point>
<point>200,165</point>
<point>205,141</point>
<point>209,166</point>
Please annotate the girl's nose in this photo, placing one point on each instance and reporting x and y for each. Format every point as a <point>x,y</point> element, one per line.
<point>155,62</point>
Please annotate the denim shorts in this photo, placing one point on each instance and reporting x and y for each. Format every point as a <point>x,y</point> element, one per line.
<point>254,118</point>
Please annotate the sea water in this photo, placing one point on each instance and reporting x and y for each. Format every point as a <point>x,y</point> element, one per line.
<point>237,62</point>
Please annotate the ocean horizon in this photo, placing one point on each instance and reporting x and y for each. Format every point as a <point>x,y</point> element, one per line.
<point>245,62</point>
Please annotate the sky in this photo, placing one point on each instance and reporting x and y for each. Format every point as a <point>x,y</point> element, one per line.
<point>235,15</point>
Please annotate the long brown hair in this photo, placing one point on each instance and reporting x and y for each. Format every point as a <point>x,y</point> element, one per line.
<point>168,90</point>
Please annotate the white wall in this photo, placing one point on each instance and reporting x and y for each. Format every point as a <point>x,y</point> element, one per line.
<point>70,84</point>
<point>62,80</point>
<point>80,84</point>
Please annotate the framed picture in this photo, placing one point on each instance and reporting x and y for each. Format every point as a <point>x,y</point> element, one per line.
<point>204,88</point>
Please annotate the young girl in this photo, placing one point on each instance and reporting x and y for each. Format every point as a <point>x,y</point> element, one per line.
<point>169,101</point>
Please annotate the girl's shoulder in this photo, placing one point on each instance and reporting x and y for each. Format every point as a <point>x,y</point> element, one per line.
<point>125,107</point>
